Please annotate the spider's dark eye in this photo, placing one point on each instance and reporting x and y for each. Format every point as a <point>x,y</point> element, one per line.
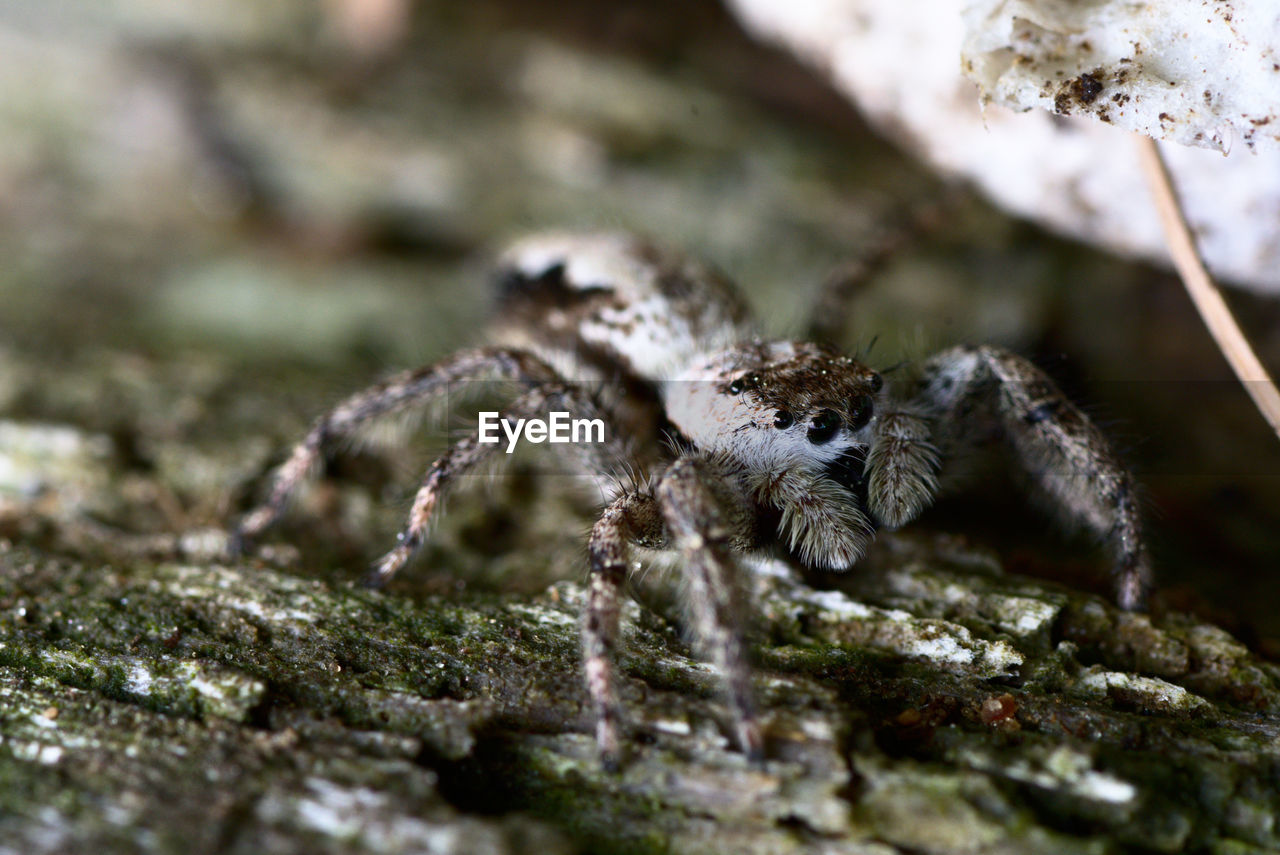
<point>743,383</point>
<point>860,412</point>
<point>783,420</point>
<point>877,382</point>
<point>823,426</point>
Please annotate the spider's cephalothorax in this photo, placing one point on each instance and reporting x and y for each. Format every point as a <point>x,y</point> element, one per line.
<point>782,444</point>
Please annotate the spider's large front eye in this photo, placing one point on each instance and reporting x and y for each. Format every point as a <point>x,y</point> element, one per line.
<point>823,426</point>
<point>860,412</point>
<point>783,420</point>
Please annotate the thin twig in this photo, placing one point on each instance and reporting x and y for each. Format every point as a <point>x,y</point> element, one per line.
<point>1204,293</point>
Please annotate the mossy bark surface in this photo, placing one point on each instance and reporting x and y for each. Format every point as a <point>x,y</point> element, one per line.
<point>937,705</point>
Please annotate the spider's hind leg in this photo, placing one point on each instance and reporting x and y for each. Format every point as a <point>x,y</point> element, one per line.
<point>602,461</point>
<point>847,282</point>
<point>416,388</point>
<point>1058,447</point>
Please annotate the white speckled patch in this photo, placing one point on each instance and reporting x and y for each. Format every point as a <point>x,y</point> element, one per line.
<point>1160,694</point>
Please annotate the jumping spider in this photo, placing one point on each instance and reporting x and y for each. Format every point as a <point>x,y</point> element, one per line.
<point>740,444</point>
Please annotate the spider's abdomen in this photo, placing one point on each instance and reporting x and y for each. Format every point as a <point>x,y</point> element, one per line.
<point>597,305</point>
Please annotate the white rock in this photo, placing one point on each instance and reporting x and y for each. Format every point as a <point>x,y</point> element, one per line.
<point>903,64</point>
<point>1185,71</point>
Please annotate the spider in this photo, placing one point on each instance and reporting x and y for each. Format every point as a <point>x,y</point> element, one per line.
<point>738,443</point>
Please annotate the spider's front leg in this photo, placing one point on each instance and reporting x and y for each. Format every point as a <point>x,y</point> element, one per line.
<point>689,510</point>
<point>705,520</point>
<point>632,518</point>
<point>1061,450</point>
<point>418,387</point>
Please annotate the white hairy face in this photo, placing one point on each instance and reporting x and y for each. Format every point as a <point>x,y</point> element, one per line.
<point>793,421</point>
<point>760,435</point>
<point>775,407</point>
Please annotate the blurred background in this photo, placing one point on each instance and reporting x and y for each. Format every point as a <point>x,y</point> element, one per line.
<point>217,219</point>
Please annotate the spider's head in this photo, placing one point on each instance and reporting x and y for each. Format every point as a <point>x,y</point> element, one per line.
<point>792,420</point>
